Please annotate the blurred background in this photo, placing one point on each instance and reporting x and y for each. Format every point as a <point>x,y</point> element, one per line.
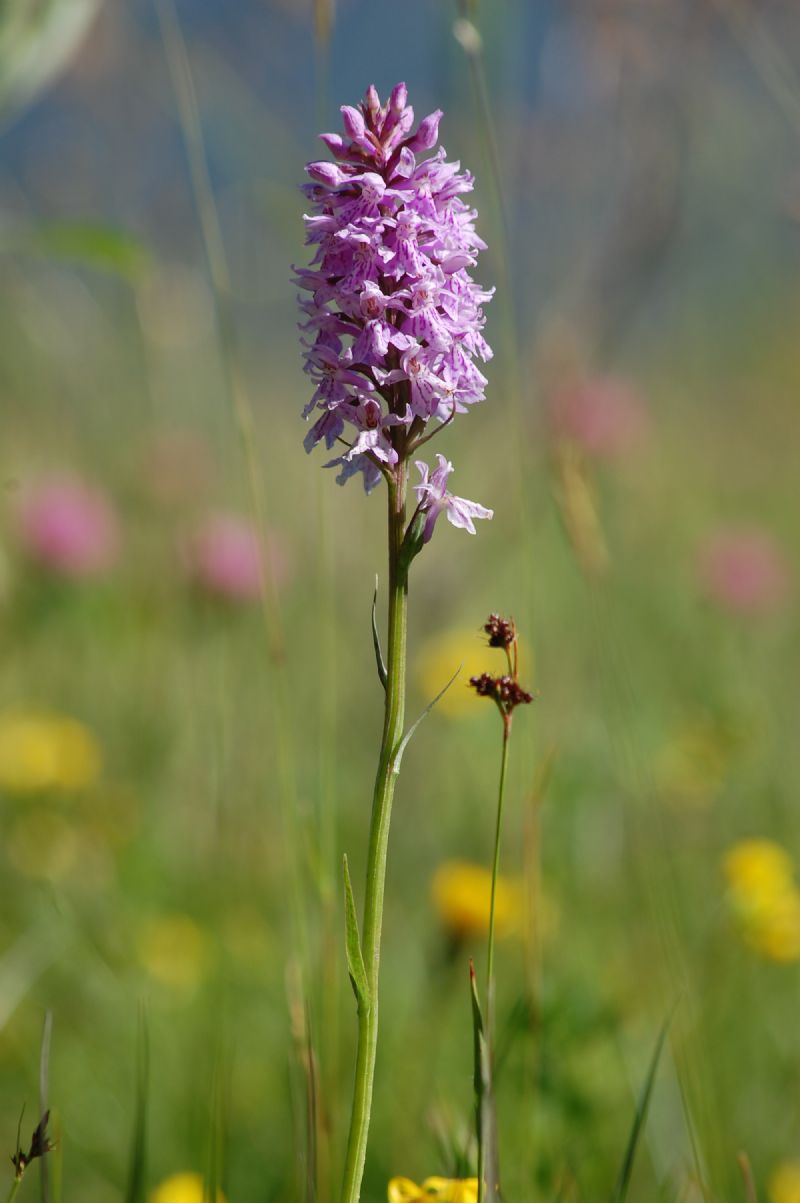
<point>189,712</point>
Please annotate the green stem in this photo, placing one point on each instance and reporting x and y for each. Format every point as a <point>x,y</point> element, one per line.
<point>14,1189</point>
<point>378,840</point>
<point>490,956</point>
<point>496,861</point>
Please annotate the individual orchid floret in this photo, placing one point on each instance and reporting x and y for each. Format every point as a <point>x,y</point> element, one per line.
<point>434,498</point>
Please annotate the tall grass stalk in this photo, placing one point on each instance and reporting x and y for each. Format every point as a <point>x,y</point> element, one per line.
<point>388,764</point>
<point>490,979</point>
<point>44,1091</point>
<point>496,866</point>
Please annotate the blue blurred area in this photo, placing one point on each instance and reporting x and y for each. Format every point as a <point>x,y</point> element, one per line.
<point>104,140</point>
<point>645,159</point>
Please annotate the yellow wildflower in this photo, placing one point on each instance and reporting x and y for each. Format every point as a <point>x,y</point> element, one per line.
<point>775,931</point>
<point>42,752</point>
<point>763,895</point>
<point>462,896</point>
<point>443,1190</point>
<point>784,1183</point>
<point>185,1187</point>
<point>440,658</point>
<point>175,951</point>
<point>758,869</point>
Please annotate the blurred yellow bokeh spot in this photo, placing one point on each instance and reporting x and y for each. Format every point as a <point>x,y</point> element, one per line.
<point>757,868</point>
<point>443,1190</point>
<point>40,752</point>
<point>440,657</point>
<point>185,1187</point>
<point>784,1183</point>
<point>764,898</point>
<point>462,895</point>
<point>776,932</point>
<point>175,951</point>
<point>693,765</point>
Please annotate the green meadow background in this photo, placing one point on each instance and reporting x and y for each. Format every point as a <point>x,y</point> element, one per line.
<point>638,180</point>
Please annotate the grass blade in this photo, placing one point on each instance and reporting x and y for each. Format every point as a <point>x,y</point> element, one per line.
<point>307,1114</point>
<point>217,1125</point>
<point>642,1105</point>
<point>136,1185</point>
<point>485,1123</point>
<point>44,1087</point>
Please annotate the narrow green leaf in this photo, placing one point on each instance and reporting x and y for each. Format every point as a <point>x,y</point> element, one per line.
<point>643,1103</point>
<point>401,747</point>
<point>485,1126</point>
<point>312,1113</point>
<point>355,957</point>
<point>479,1075</point>
<point>136,1184</point>
<point>376,639</point>
<point>44,1089</point>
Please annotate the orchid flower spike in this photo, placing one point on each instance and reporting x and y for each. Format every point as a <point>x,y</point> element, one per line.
<point>392,320</point>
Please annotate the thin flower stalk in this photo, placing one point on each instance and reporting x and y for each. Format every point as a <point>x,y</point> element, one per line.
<point>507,693</point>
<point>495,871</point>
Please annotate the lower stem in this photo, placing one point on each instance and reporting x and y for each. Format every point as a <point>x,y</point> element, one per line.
<point>378,841</point>
<point>490,991</point>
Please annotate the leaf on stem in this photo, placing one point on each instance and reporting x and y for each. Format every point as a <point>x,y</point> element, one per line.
<point>401,747</point>
<point>355,957</point>
<point>485,1125</point>
<point>642,1105</point>
<point>376,639</point>
<point>479,1078</point>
